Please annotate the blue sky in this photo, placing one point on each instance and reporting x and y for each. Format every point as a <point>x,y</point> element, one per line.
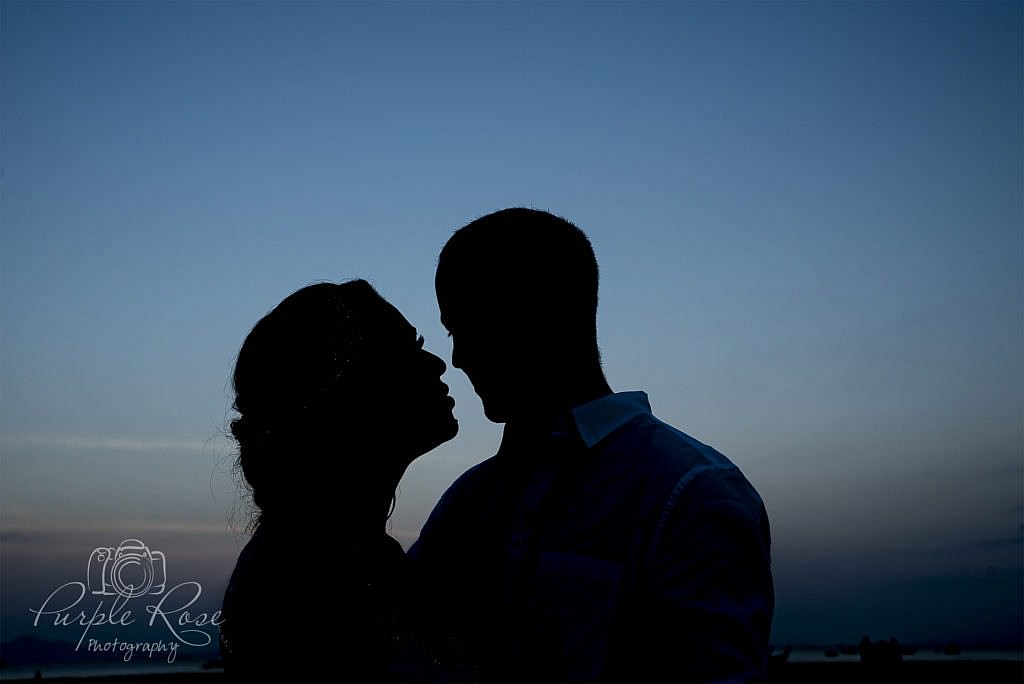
<point>808,218</point>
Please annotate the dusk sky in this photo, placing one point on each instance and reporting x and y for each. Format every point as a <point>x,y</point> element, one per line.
<point>808,218</point>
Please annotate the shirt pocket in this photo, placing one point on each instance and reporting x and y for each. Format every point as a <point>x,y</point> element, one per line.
<point>573,601</point>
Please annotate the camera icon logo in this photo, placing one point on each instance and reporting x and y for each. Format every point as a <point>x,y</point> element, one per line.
<point>130,570</point>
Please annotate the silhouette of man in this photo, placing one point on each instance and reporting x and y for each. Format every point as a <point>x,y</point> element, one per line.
<point>599,543</point>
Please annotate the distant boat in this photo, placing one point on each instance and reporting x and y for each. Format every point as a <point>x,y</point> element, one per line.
<point>907,649</point>
<point>951,649</point>
<point>831,653</point>
<point>881,652</point>
<point>849,649</point>
<point>213,664</point>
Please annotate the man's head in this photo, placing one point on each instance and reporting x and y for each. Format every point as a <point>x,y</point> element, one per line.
<point>517,291</point>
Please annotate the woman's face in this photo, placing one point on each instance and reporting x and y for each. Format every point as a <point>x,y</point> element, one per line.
<point>408,403</point>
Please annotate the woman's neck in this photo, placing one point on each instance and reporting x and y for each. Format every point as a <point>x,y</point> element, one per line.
<point>363,509</point>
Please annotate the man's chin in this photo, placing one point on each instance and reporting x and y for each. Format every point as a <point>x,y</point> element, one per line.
<point>495,414</point>
<point>446,431</point>
<point>453,429</point>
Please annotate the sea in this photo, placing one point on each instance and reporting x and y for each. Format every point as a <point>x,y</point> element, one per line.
<point>102,669</point>
<point>192,665</point>
<point>817,655</point>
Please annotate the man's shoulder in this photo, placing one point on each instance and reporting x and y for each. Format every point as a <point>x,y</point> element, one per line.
<point>682,466</point>
<point>472,484</point>
<point>482,472</point>
<point>652,443</point>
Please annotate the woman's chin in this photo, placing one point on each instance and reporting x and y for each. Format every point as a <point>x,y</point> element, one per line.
<point>443,431</point>
<point>453,428</point>
<point>446,430</point>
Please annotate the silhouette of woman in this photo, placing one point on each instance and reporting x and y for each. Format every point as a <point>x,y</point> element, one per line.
<point>336,396</point>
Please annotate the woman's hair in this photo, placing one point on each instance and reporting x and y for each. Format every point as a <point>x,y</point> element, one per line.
<point>296,380</point>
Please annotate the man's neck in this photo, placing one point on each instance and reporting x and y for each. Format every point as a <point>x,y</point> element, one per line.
<point>553,404</point>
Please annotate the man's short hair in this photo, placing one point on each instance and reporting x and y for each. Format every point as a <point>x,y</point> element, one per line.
<point>526,260</point>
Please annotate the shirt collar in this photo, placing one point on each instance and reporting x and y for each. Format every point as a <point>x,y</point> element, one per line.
<point>597,419</point>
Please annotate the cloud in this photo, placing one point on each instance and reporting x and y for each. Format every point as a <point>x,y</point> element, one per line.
<point>25,524</point>
<point>32,544</point>
<point>75,442</point>
<point>9,537</point>
<point>11,511</point>
<point>25,530</point>
<point>1005,541</point>
<point>1009,541</point>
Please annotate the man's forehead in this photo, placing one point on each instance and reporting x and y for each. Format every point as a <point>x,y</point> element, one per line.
<point>463,318</point>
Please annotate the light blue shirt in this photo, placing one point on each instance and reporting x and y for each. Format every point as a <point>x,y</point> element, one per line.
<point>612,547</point>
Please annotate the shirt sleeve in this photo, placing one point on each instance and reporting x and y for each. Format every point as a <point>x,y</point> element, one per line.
<point>706,600</point>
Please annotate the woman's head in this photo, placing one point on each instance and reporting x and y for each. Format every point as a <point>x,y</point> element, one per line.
<point>336,396</point>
